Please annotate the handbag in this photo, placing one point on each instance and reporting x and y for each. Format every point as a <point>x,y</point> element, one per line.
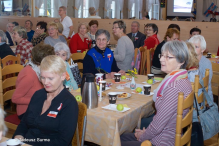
<point>75,71</point>
<point>208,116</point>
<point>197,135</point>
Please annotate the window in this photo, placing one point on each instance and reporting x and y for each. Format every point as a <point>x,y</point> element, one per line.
<point>47,8</point>
<point>83,11</point>
<point>133,10</point>
<point>113,9</point>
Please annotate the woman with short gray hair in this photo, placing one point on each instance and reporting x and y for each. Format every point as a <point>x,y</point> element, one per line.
<point>100,59</point>
<point>160,131</point>
<point>24,47</point>
<point>63,51</point>
<point>124,51</point>
<point>5,50</point>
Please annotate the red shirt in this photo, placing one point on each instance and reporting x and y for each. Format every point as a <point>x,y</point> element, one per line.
<point>151,41</point>
<point>76,43</point>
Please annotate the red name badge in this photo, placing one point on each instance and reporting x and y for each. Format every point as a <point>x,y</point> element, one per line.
<point>109,55</point>
<point>52,114</point>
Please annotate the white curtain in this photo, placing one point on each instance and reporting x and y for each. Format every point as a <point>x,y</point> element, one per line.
<point>130,3</point>
<point>95,4</point>
<point>78,3</point>
<point>139,4</point>
<point>149,4</point>
<point>121,4</point>
<point>38,4</point>
<point>64,3</point>
<point>107,7</point>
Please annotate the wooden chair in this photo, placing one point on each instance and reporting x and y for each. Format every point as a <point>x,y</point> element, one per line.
<point>215,81</point>
<point>150,54</point>
<point>143,60</point>
<point>82,121</point>
<point>181,123</point>
<point>11,121</point>
<point>135,55</point>
<point>13,59</point>
<point>78,58</point>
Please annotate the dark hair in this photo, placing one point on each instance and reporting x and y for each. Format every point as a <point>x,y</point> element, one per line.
<point>92,22</point>
<point>40,51</point>
<point>154,27</point>
<point>195,29</point>
<point>43,25</point>
<point>31,23</point>
<point>174,26</point>
<point>121,25</point>
<point>15,23</point>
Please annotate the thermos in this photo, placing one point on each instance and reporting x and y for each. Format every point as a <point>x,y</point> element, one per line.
<point>89,92</point>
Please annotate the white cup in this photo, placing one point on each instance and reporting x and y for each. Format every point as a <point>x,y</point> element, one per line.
<point>13,142</point>
<point>99,76</point>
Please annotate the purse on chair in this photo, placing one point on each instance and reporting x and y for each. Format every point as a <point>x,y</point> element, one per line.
<point>75,71</point>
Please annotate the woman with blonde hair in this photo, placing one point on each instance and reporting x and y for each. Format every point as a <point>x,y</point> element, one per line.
<point>81,40</point>
<point>54,36</point>
<point>51,117</point>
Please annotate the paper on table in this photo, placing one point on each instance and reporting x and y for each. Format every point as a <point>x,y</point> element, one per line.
<point>113,108</point>
<point>137,85</point>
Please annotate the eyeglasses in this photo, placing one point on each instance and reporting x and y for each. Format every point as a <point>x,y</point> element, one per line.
<point>38,28</point>
<point>103,40</point>
<point>51,29</point>
<point>165,56</point>
<point>115,27</point>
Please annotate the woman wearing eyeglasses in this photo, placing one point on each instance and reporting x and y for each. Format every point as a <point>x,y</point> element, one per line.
<point>53,37</point>
<point>161,131</point>
<point>40,33</point>
<point>124,51</point>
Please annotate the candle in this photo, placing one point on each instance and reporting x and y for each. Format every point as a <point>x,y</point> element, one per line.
<point>100,82</point>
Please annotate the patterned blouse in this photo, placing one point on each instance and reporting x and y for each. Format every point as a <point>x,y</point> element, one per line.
<point>39,39</point>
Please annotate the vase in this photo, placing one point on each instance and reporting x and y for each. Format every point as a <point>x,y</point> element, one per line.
<point>133,84</point>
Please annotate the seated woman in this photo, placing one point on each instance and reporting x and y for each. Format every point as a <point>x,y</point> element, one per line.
<point>151,41</point>
<point>161,131</point>
<point>53,37</point>
<point>200,45</point>
<point>24,47</point>
<point>40,33</point>
<point>81,40</point>
<point>60,29</point>
<point>28,81</point>
<point>62,50</point>
<point>124,51</point>
<point>93,25</point>
<point>51,117</point>
<point>5,49</point>
<point>100,59</point>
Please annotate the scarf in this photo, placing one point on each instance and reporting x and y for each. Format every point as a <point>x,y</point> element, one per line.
<point>34,67</point>
<point>169,78</point>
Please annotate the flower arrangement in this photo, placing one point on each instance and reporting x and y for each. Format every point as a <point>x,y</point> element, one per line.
<point>132,73</point>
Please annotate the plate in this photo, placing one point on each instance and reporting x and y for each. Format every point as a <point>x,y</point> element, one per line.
<point>113,108</point>
<point>157,79</point>
<point>142,93</point>
<point>129,95</point>
<point>107,88</point>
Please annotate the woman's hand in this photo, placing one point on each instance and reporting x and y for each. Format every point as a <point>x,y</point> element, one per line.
<point>110,75</point>
<point>20,137</point>
<point>87,36</point>
<point>122,72</point>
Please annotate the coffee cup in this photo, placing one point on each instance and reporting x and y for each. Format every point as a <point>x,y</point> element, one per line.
<point>78,51</point>
<point>147,89</point>
<point>99,76</point>
<point>103,85</point>
<point>112,97</point>
<point>117,77</point>
<point>13,142</point>
<point>150,76</point>
<point>208,55</point>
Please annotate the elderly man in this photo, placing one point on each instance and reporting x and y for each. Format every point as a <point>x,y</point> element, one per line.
<point>8,33</point>
<point>66,22</point>
<point>136,36</point>
<point>30,32</point>
<point>5,50</point>
<point>92,13</point>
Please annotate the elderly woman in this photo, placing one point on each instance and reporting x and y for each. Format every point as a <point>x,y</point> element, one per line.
<point>53,37</point>
<point>5,50</point>
<point>28,81</point>
<point>24,47</point>
<point>81,40</point>
<point>60,29</point>
<point>161,131</point>
<point>152,39</point>
<point>100,59</point>
<point>62,50</point>
<point>124,51</point>
<point>40,33</point>
<point>93,25</point>
<point>51,117</point>
<point>200,45</point>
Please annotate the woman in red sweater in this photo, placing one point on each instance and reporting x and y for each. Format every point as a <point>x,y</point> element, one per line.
<point>28,81</point>
<point>151,41</point>
<point>81,40</point>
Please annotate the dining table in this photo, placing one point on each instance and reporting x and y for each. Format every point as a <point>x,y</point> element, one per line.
<point>105,126</point>
<point>4,139</point>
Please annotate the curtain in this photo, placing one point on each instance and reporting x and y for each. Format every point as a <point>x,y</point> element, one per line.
<point>149,4</point>
<point>121,4</point>
<point>38,4</point>
<point>139,4</point>
<point>130,3</point>
<point>78,3</point>
<point>95,4</point>
<point>107,7</point>
<point>64,3</point>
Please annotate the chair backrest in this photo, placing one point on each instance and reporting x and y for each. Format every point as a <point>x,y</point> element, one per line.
<point>135,55</point>
<point>150,54</point>
<point>78,58</point>
<point>197,86</point>
<point>12,59</point>
<point>143,60</point>
<point>215,79</point>
<point>181,123</point>
<point>82,121</point>
<point>8,82</point>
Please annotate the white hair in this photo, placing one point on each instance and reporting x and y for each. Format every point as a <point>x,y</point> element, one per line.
<point>198,39</point>
<point>62,46</point>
